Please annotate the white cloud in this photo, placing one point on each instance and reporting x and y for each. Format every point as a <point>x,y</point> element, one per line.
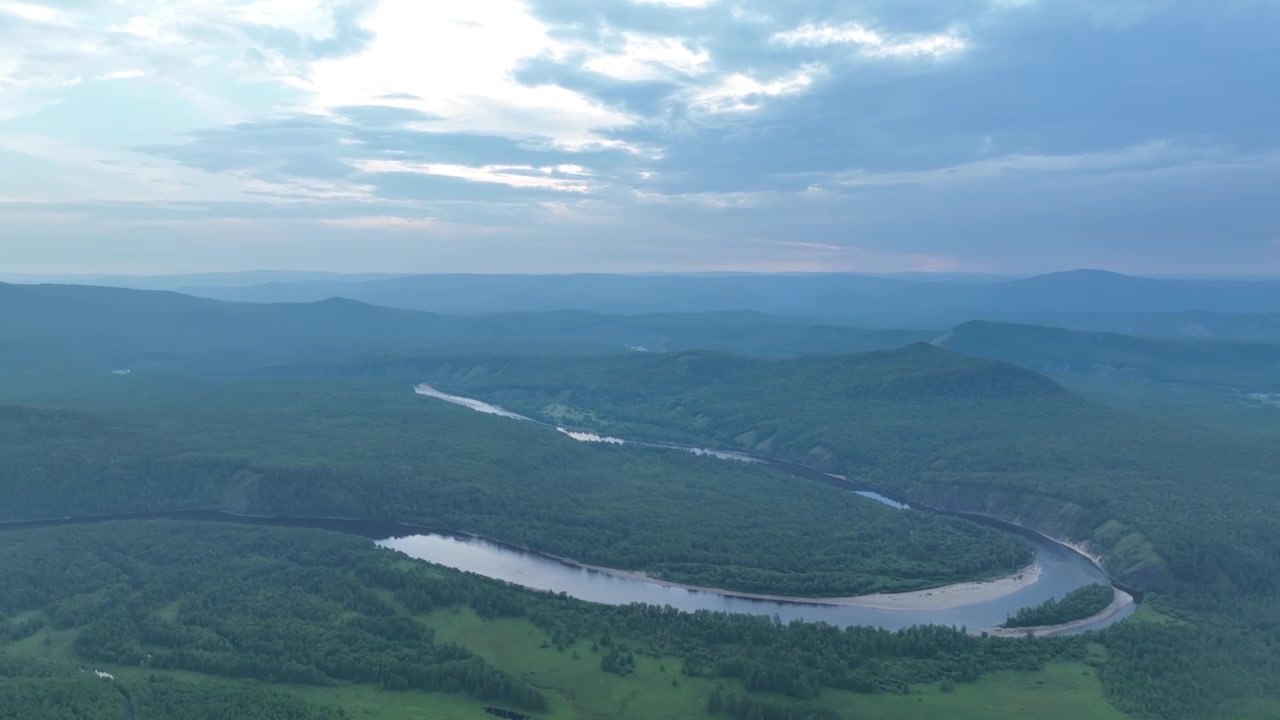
<point>1149,157</point>
<point>457,61</point>
<point>122,75</point>
<point>742,93</point>
<point>518,176</point>
<point>383,222</point>
<point>804,245</point>
<point>646,57</point>
<point>677,3</point>
<point>33,13</point>
<point>872,43</point>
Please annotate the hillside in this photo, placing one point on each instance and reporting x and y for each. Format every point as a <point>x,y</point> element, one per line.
<point>1184,512</point>
<point>937,426</point>
<point>371,449</point>
<point>1239,327</point>
<point>853,299</point>
<point>115,328</point>
<point>1248,366</point>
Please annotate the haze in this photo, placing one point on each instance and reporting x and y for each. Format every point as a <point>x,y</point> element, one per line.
<point>1007,136</point>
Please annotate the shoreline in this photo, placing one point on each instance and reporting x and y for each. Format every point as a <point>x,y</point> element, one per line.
<point>945,597</point>
<point>1119,602</point>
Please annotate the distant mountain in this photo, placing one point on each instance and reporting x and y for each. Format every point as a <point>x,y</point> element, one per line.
<point>127,329</point>
<point>853,299</point>
<point>213,280</point>
<point>845,297</point>
<point>1243,327</point>
<point>1058,351</point>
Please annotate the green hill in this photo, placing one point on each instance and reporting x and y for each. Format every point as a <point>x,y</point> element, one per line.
<point>372,449</point>
<point>1248,366</point>
<point>940,427</point>
<point>115,328</point>
<point>1240,327</point>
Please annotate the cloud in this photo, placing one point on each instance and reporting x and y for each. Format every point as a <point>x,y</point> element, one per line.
<point>575,134</point>
<point>516,176</point>
<point>872,43</point>
<point>677,3</point>
<point>456,61</point>
<point>649,58</point>
<point>741,93</point>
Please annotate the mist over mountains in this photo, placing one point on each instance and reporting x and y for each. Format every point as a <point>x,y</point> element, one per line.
<point>1064,299</point>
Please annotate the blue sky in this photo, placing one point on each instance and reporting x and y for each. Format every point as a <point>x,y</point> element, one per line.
<point>149,136</point>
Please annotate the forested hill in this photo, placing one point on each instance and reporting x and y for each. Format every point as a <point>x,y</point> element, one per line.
<point>1239,327</point>
<point>370,449</point>
<point>941,427</point>
<point>128,329</point>
<point>858,299</point>
<point>1250,366</point>
<point>919,370</point>
<point>1184,512</point>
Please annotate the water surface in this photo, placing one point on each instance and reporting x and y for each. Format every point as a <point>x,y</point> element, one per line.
<point>1061,572</point>
<point>1061,569</point>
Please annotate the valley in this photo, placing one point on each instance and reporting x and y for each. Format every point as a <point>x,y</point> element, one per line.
<point>709,511</point>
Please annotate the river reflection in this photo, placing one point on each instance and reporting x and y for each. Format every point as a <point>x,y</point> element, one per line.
<point>1061,572</point>
<point>1061,569</point>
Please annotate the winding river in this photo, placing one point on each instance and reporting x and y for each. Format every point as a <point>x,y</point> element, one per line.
<point>979,606</point>
<point>1056,571</point>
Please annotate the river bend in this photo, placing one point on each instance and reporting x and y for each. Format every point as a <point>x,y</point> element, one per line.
<point>1056,571</point>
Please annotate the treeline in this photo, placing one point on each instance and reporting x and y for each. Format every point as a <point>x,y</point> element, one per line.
<point>44,689</point>
<point>1075,605</point>
<point>264,606</point>
<point>373,449</point>
<point>161,697</point>
<point>58,699</point>
<point>313,607</point>
<point>748,708</point>
<point>940,427</point>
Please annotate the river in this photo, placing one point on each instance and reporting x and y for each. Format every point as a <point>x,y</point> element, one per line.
<point>1057,569</point>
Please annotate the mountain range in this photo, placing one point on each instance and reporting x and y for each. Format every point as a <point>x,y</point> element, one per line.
<point>873,301</point>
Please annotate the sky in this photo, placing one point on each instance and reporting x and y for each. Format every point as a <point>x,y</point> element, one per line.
<point>1005,136</point>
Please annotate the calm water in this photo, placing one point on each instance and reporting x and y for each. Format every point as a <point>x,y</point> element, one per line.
<point>1062,570</point>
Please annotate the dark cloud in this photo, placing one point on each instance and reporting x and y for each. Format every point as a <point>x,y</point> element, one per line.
<point>1045,80</point>
<point>1113,133</point>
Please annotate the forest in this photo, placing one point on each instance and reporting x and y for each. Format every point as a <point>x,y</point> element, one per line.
<point>1182,512</point>
<point>1076,605</point>
<point>373,449</point>
<point>58,689</point>
<point>317,609</point>
<point>1196,361</point>
<point>309,607</point>
<point>980,436</point>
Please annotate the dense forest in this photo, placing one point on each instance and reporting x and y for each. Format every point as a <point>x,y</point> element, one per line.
<point>979,436</point>
<point>1076,605</point>
<point>1180,511</point>
<point>308,607</point>
<point>1251,367</point>
<point>114,328</point>
<point>936,426</point>
<point>317,608</point>
<point>47,689</point>
<point>375,450</point>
